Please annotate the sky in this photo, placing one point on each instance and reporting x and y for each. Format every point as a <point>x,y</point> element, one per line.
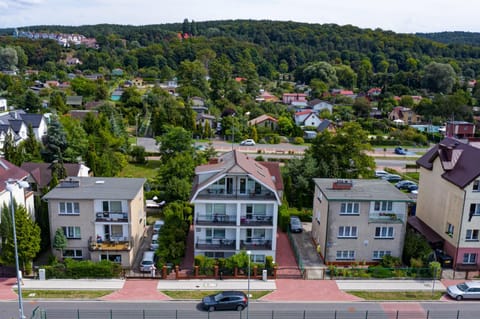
<point>406,16</point>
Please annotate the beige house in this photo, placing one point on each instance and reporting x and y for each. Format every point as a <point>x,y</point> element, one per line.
<point>102,217</point>
<point>358,220</point>
<point>236,205</point>
<point>449,201</point>
<point>405,114</point>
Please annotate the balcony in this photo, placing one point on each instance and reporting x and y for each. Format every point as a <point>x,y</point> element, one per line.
<point>256,220</point>
<point>114,244</point>
<point>112,217</point>
<point>386,217</point>
<point>216,220</point>
<point>221,194</point>
<point>256,244</point>
<point>216,244</point>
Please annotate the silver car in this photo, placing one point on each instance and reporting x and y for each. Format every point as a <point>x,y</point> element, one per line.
<point>466,290</point>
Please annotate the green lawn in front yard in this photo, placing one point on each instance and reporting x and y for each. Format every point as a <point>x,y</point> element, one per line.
<point>148,170</point>
<point>397,295</point>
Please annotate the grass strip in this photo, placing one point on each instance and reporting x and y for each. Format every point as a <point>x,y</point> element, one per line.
<point>64,294</point>
<point>397,295</point>
<point>199,294</point>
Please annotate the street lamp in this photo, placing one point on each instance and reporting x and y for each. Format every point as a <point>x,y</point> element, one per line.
<point>136,128</point>
<point>10,186</point>
<point>249,253</point>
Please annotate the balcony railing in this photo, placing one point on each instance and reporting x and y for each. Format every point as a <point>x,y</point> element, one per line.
<point>216,244</point>
<point>115,243</point>
<point>256,220</point>
<point>216,220</point>
<point>112,217</point>
<point>256,244</point>
<point>386,217</point>
<point>220,193</point>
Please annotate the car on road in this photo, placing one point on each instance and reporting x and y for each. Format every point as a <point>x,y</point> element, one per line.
<point>400,151</point>
<point>295,224</point>
<point>248,142</point>
<point>405,184</point>
<point>226,300</point>
<point>466,290</point>
<point>392,178</point>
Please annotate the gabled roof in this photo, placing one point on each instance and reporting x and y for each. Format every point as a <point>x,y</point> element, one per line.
<point>236,162</point>
<point>323,125</point>
<point>317,101</point>
<point>309,111</point>
<point>33,119</point>
<point>42,172</point>
<point>262,118</point>
<point>74,100</point>
<point>459,161</point>
<point>10,171</point>
<point>16,125</point>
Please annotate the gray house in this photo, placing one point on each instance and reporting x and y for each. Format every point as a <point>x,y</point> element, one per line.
<point>358,220</point>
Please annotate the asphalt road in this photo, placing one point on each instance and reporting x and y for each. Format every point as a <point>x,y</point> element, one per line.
<point>284,310</point>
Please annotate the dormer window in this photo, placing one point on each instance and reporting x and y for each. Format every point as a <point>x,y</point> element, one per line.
<point>476,186</point>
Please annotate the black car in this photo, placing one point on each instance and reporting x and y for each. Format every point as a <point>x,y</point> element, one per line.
<point>226,300</point>
<point>445,260</point>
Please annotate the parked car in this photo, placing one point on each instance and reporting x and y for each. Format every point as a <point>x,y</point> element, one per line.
<point>392,178</point>
<point>400,151</point>
<point>157,226</point>
<point>380,173</point>
<point>148,261</point>
<point>466,290</point>
<point>445,260</point>
<point>412,188</point>
<point>405,184</point>
<point>248,142</point>
<point>226,300</point>
<point>154,243</point>
<point>295,224</point>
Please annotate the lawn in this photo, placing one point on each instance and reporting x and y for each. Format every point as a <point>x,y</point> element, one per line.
<point>148,170</point>
<point>199,294</point>
<point>397,295</point>
<point>65,294</point>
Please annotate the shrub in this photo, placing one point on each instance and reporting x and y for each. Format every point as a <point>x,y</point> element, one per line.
<point>298,140</point>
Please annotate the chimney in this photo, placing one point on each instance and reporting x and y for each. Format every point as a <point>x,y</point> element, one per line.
<point>342,184</point>
<point>213,160</point>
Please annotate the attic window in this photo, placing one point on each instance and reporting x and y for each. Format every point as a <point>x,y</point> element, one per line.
<point>476,185</point>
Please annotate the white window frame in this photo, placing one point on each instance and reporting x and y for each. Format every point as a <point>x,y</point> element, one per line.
<point>109,204</point>
<point>378,254</point>
<point>69,208</point>
<point>257,258</point>
<point>345,255</point>
<point>469,258</point>
<point>477,209</point>
<point>347,232</point>
<point>384,206</point>
<point>72,232</point>
<point>472,235</point>
<point>350,208</point>
<point>384,232</point>
<point>77,253</point>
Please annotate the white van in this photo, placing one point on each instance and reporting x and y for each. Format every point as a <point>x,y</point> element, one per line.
<point>154,243</point>
<point>147,261</point>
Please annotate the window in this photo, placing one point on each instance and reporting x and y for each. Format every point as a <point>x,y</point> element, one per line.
<point>73,253</point>
<point>450,229</point>
<point>350,208</point>
<point>378,254</point>
<point>469,258</point>
<point>384,232</point>
<point>472,235</point>
<point>112,206</point>
<point>347,231</point>
<point>69,208</point>
<point>113,258</point>
<point>72,232</point>
<point>219,209</point>
<point>215,254</point>
<point>258,259</point>
<point>345,254</point>
<point>476,185</point>
<point>475,209</point>
<point>383,206</point>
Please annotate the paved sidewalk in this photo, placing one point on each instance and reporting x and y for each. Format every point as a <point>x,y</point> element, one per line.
<point>390,285</point>
<point>228,284</point>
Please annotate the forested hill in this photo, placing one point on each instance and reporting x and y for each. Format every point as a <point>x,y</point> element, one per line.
<point>457,37</point>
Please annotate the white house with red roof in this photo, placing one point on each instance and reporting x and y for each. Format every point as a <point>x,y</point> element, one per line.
<point>307,118</point>
<point>236,206</point>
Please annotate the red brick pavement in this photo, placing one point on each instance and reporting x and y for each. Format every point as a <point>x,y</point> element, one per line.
<point>135,289</point>
<point>285,258</point>
<point>6,289</point>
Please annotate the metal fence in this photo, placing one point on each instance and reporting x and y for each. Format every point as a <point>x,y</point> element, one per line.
<point>295,251</point>
<point>301,314</point>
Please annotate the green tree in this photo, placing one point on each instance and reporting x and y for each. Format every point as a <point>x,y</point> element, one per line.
<point>8,58</point>
<point>175,140</point>
<point>60,240</point>
<point>31,145</point>
<point>347,78</point>
<point>31,102</point>
<point>322,71</point>
<point>12,153</point>
<point>55,141</point>
<point>298,179</point>
<point>28,237</point>
<point>439,77</point>
<point>192,78</point>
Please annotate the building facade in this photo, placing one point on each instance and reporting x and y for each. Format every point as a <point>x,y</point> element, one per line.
<point>449,200</point>
<point>102,218</point>
<point>358,220</point>
<point>236,206</point>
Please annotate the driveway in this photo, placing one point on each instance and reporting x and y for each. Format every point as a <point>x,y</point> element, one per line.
<point>312,263</point>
